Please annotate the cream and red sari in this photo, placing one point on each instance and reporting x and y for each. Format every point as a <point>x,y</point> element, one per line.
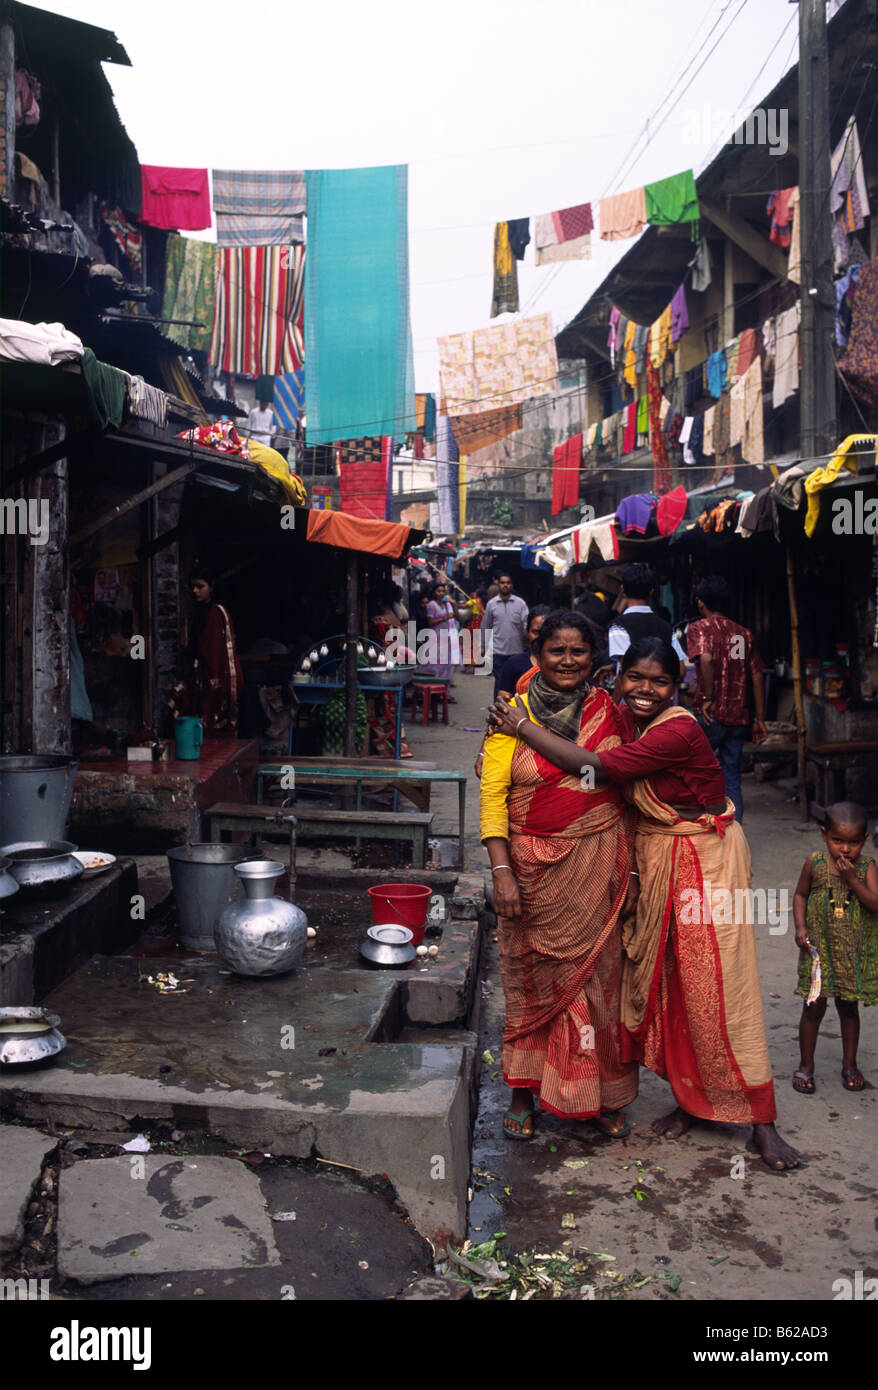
<point>560,962</point>
<point>691,1004</point>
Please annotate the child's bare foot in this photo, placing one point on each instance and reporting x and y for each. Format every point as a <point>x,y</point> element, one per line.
<point>803,1082</point>
<point>774,1150</point>
<point>674,1125</point>
<point>853,1079</point>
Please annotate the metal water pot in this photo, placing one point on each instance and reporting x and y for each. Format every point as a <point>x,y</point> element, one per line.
<point>261,935</point>
<point>43,868</point>
<point>35,796</point>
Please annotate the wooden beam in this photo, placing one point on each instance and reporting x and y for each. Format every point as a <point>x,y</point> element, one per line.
<point>139,497</point>
<point>160,542</point>
<point>763,252</point>
<point>37,462</point>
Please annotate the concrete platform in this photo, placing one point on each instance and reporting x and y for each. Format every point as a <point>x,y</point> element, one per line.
<point>121,1216</point>
<point>242,1058</point>
<point>46,940</point>
<point>21,1160</point>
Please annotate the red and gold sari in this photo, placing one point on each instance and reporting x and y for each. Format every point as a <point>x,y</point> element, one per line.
<point>691,1004</point>
<point>561,961</point>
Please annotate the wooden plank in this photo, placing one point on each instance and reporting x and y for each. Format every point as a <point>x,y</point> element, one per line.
<point>757,247</point>
<point>139,497</point>
<point>37,462</point>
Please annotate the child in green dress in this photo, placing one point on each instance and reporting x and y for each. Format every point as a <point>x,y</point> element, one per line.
<point>834,909</point>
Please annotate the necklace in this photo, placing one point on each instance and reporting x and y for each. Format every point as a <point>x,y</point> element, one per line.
<point>839,898</point>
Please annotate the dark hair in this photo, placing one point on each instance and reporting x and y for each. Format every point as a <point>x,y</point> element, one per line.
<point>846,815</point>
<point>638,581</point>
<point>199,571</point>
<point>440,584</point>
<point>504,574</point>
<point>714,593</point>
<point>540,610</point>
<point>653,649</point>
<point>560,618</point>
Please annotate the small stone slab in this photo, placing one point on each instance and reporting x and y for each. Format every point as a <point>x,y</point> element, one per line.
<point>21,1159</point>
<point>191,1213</point>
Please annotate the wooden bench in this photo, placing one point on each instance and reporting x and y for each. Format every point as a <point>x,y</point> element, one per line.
<point>831,759</point>
<point>410,826</point>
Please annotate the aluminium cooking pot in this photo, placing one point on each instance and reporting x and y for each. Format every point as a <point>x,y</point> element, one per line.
<point>43,868</point>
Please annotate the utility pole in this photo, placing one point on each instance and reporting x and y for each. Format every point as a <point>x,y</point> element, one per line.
<point>817,387</point>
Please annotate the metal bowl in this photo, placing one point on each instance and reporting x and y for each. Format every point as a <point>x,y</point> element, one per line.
<point>388,945</point>
<point>380,678</point>
<point>29,1034</point>
<point>43,867</point>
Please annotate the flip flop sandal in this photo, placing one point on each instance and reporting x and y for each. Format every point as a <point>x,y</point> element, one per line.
<point>611,1133</point>
<point>520,1119</point>
<point>807,1090</point>
<point>849,1085</point>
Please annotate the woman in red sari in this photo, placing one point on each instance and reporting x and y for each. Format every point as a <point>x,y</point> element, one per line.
<point>214,686</point>
<point>560,860</point>
<point>691,1007</point>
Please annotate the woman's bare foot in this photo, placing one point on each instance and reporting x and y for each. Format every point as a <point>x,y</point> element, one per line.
<point>674,1125</point>
<point>774,1150</point>
<point>519,1119</point>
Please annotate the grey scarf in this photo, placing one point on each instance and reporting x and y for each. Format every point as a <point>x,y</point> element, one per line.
<point>559,710</point>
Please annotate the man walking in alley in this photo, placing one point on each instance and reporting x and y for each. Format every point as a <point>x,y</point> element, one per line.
<point>727,662</point>
<point>638,619</point>
<point>506,619</point>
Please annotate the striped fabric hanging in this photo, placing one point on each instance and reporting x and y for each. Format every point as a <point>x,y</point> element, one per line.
<point>260,310</point>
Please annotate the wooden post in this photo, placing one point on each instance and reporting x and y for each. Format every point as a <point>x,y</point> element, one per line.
<point>797,685</point>
<point>350,728</point>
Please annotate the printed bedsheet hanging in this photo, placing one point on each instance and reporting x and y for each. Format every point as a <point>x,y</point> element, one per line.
<point>259,318</point>
<point>500,366</point>
<point>259,207</point>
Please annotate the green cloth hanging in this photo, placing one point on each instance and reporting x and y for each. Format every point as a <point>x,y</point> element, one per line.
<point>643,415</point>
<point>106,390</point>
<point>599,435</point>
<point>672,200</point>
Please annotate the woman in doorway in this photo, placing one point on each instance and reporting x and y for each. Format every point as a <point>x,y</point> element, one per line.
<point>213,687</point>
<point>691,1006</point>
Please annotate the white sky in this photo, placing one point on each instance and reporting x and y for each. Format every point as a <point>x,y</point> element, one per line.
<point>501,109</point>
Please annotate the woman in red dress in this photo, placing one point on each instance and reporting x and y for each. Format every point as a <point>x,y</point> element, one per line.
<point>213,688</point>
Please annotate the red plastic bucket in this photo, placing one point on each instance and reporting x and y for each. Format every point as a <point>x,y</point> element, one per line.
<point>405,903</point>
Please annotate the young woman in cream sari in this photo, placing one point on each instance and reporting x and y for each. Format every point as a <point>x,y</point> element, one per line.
<point>691,1006</point>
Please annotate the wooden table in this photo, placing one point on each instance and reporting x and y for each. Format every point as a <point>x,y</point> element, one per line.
<point>413,779</point>
<point>830,759</point>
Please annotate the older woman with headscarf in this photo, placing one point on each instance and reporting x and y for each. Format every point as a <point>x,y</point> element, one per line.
<point>560,855</point>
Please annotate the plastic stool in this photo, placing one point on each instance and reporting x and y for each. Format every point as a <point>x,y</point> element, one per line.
<point>427,694</point>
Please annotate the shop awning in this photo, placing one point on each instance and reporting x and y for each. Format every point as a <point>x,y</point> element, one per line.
<point>392,538</point>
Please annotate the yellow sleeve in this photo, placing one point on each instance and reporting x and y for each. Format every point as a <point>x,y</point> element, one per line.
<point>496,782</point>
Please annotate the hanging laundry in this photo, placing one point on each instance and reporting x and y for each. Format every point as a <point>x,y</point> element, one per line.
<point>448,494</point>
<point>505,299</point>
<point>357,324</point>
<point>661,470</point>
<point>786,355</point>
<point>672,200</point>
<point>566,463</point>
<point>602,535</point>
<point>147,402</point>
<point>721,429</point>
<point>696,440</point>
<point>563,235</point>
<point>794,267</point>
<point>859,362</point>
<point>128,239</point>
<point>531,559</point>
<point>176,200</point>
<point>190,291</point>
<point>849,198</point>
<point>732,350</point>
<point>46,344</point>
<point>623,215</point>
<point>707,442</point>
<point>748,348</point>
<point>259,207</point>
<point>258,324</point>
<point>629,359</point>
<point>447,448</point>
<point>614,342</point>
<point>845,294</point>
<point>643,415</point>
<point>716,373</point>
<point>670,510</point>
<point>27,98</point>
<point>693,387</point>
<point>629,437</point>
<point>634,513</point>
<point>475,432</point>
<point>684,439</point>
<point>519,236</point>
<point>221,435</point>
<point>780,211</point>
<point>679,315</point>
<point>363,465</point>
<point>499,366</point>
<point>745,419</point>
<point>288,401</point>
<point>845,456</point>
<point>701,267</point>
<point>106,388</point>
<point>660,337</point>
<point>641,338</point>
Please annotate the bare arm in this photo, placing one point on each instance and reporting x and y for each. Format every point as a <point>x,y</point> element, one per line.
<point>866,892</point>
<point>507,902</point>
<point>563,752</point>
<point>800,902</point>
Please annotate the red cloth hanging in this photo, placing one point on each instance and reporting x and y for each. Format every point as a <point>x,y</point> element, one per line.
<point>175,199</point>
<point>566,462</point>
<point>629,438</point>
<point>363,466</point>
<point>661,473</point>
<point>670,510</point>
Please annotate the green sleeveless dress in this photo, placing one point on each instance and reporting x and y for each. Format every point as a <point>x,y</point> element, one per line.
<point>845,934</point>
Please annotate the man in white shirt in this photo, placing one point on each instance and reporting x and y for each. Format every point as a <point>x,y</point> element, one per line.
<point>261,424</point>
<point>638,619</point>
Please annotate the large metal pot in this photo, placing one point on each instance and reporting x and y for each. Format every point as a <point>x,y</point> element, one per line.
<point>43,868</point>
<point>261,935</point>
<point>35,795</point>
<point>204,883</point>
